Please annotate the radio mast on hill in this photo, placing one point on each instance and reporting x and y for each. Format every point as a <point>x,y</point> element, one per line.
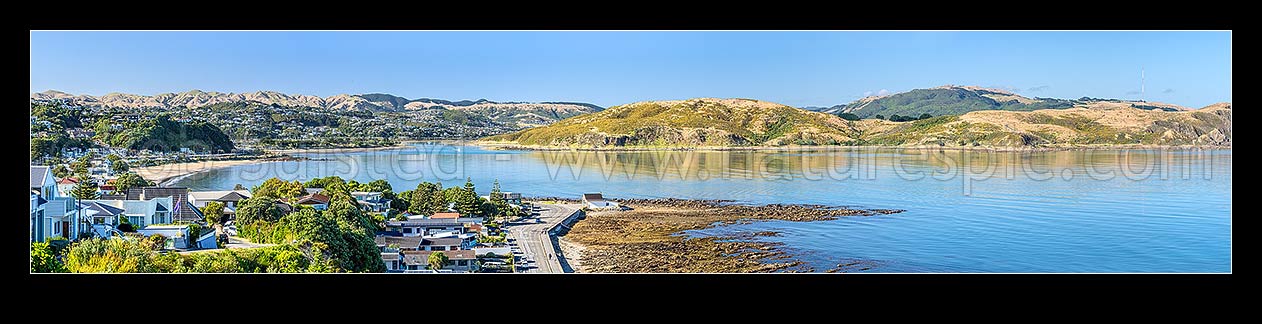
<point>1141,84</point>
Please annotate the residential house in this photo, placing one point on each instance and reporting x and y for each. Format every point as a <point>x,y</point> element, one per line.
<point>405,243</point>
<point>503,251</point>
<point>512,198</point>
<point>393,260</point>
<point>445,244</point>
<point>445,216</point>
<point>317,201</point>
<point>420,227</point>
<point>181,210</point>
<point>138,213</point>
<point>457,261</point>
<point>65,185</point>
<point>597,201</point>
<point>102,216</point>
<point>52,215</point>
<point>371,201</point>
<point>228,198</point>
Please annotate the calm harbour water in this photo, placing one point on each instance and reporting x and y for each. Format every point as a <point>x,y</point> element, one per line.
<point>966,211</point>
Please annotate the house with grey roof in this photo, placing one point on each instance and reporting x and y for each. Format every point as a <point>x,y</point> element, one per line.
<point>371,201</point>
<point>181,210</point>
<point>52,215</point>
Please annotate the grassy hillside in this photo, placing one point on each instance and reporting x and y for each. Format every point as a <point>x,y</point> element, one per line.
<point>1096,125</point>
<point>693,122</point>
<point>744,122</point>
<point>948,100</point>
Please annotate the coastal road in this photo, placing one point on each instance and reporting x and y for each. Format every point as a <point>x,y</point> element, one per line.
<point>536,243</point>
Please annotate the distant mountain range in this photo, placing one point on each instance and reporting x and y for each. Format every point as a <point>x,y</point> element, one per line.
<point>524,114</point>
<point>957,100</point>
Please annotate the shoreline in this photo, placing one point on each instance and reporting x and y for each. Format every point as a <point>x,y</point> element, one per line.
<point>650,237</point>
<point>506,146</point>
<point>339,149</point>
<point>166,174</point>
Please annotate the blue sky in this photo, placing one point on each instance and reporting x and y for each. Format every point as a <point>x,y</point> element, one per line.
<point>610,68</point>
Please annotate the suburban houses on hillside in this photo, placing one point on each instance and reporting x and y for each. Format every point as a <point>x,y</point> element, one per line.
<point>176,213</point>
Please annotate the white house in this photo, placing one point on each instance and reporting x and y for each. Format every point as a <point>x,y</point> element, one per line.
<point>65,185</point>
<point>597,201</point>
<point>419,227</point>
<point>52,215</point>
<point>371,201</point>
<point>138,213</point>
<point>393,259</point>
<point>229,198</point>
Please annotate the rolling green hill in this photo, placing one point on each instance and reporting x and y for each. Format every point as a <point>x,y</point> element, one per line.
<point>947,100</point>
<point>958,100</point>
<point>693,122</point>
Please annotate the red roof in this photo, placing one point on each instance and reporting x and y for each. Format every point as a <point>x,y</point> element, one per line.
<point>68,180</point>
<point>313,199</point>
<point>446,215</point>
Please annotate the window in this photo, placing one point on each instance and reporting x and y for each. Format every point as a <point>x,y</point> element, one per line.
<point>407,230</point>
<point>462,263</point>
<point>162,218</point>
<point>438,248</point>
<point>136,221</point>
<point>99,220</point>
<point>57,228</point>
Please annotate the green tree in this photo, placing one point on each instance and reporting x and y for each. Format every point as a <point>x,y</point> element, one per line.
<point>279,189</point>
<point>498,206</point>
<point>43,260</point>
<point>378,185</point>
<point>85,189</point>
<point>323,182</point>
<point>401,202</point>
<point>155,242</point>
<point>239,187</point>
<point>130,180</point>
<point>80,166</point>
<point>97,255</point>
<point>427,199</point>
<point>437,260</point>
<point>257,209</point>
<point>467,200</point>
<point>879,117</point>
<point>848,116</point>
<point>61,171</point>
<point>213,212</point>
<point>117,165</point>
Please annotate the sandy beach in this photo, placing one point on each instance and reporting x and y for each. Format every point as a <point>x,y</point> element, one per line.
<point>164,174</point>
<point>161,174</point>
<point>340,150</point>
